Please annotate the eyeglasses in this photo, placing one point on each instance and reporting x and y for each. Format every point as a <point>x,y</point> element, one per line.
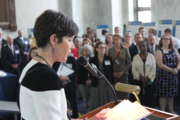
<point>166,38</point>
<point>102,47</point>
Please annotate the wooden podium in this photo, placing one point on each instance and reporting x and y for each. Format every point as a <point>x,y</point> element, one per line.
<point>155,112</point>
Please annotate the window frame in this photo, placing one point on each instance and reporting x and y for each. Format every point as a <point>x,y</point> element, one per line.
<point>139,9</point>
<point>10,16</point>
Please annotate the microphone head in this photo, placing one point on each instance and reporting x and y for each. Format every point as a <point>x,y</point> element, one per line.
<point>82,61</point>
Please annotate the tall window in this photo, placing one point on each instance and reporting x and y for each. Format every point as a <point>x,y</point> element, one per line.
<point>131,10</point>
<point>143,10</point>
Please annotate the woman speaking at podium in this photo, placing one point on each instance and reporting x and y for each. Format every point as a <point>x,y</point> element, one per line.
<point>41,94</point>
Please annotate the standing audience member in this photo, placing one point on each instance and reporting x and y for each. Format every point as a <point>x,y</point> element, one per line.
<point>168,62</point>
<point>24,46</point>
<point>153,32</point>
<point>127,40</point>
<point>144,72</point>
<point>104,34</point>
<point>134,48</point>
<point>11,57</point>
<point>141,31</point>
<point>77,45</point>
<point>101,92</point>
<point>109,42</point>
<point>176,41</point>
<point>83,79</point>
<point>121,62</point>
<point>117,31</point>
<point>2,43</point>
<point>151,44</point>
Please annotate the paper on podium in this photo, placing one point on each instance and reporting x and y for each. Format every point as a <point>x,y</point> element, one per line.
<point>127,110</point>
<point>64,70</point>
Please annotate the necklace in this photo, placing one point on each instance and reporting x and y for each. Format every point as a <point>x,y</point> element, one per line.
<point>42,58</point>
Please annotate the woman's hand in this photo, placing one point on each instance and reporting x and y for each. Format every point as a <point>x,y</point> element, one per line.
<point>64,78</point>
<point>101,115</point>
<point>174,71</point>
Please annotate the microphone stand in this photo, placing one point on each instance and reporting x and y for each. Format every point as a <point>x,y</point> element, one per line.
<point>101,76</point>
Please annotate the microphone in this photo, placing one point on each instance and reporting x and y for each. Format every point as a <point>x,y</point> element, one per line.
<point>83,61</point>
<point>97,73</point>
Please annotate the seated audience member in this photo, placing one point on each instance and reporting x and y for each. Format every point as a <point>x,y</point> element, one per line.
<point>151,44</point>
<point>11,57</point>
<point>101,93</point>
<point>144,71</point>
<point>24,46</point>
<point>168,62</point>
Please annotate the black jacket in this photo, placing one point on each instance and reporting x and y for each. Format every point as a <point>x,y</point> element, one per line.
<point>133,50</point>
<point>106,69</point>
<point>23,45</point>
<point>9,58</point>
<point>82,74</point>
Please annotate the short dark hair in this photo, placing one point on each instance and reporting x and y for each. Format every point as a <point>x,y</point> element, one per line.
<point>52,22</point>
<point>167,30</point>
<point>140,28</point>
<point>104,31</point>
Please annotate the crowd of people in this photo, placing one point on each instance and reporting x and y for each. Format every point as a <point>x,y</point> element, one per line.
<point>150,62</point>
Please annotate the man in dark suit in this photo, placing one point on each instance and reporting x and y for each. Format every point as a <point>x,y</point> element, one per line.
<point>134,49</point>
<point>151,44</point>
<point>2,43</point>
<point>24,47</point>
<point>11,57</point>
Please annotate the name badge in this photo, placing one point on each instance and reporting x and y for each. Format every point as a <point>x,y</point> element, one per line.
<point>69,65</point>
<point>107,62</point>
<point>26,42</point>
<point>116,61</point>
<point>16,51</point>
